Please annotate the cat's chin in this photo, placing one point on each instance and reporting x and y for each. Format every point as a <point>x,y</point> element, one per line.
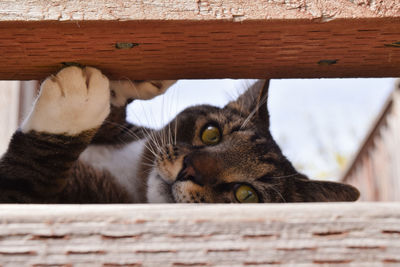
<point>158,190</point>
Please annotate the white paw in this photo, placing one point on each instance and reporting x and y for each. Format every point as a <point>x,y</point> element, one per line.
<point>123,90</point>
<point>70,102</point>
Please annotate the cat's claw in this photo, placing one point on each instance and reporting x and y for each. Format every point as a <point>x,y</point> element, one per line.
<point>125,90</point>
<point>70,102</point>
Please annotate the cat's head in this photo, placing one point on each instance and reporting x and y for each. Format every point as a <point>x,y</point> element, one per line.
<point>227,155</point>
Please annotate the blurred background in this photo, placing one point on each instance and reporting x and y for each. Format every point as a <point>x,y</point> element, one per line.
<point>331,129</point>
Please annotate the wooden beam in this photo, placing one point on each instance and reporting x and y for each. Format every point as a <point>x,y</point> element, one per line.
<point>200,235</point>
<point>201,39</point>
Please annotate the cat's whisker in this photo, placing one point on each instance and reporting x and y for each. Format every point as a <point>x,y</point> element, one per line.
<point>277,191</point>
<point>246,121</point>
<point>169,135</point>
<point>130,132</point>
<point>150,135</point>
<point>261,102</point>
<point>147,172</point>
<point>161,138</point>
<point>166,130</point>
<point>167,138</point>
<point>124,128</point>
<point>284,176</point>
<point>176,96</point>
<point>148,164</point>
<point>153,145</point>
<point>176,129</point>
<point>149,159</point>
<point>164,136</point>
<point>153,134</point>
<point>174,106</point>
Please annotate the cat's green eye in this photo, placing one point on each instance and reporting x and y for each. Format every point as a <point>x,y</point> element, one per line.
<point>211,135</point>
<point>246,194</point>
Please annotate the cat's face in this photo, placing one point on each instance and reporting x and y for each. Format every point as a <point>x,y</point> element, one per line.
<point>213,155</point>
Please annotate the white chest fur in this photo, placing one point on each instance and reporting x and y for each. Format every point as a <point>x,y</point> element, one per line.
<point>121,162</point>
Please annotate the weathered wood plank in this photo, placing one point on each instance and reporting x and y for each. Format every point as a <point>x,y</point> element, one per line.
<point>235,10</point>
<point>200,235</point>
<point>201,39</point>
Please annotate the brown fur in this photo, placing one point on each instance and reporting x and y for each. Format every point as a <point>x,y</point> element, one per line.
<point>116,130</point>
<point>246,154</point>
<point>44,168</point>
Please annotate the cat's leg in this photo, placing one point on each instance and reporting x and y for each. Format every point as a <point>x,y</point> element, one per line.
<point>118,145</point>
<point>71,102</point>
<point>69,109</point>
<point>115,128</point>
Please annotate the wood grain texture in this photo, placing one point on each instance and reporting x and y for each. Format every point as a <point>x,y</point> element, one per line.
<point>356,234</point>
<point>236,10</point>
<point>202,39</point>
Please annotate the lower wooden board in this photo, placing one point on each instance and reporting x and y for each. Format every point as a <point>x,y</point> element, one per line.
<point>357,234</point>
<point>155,49</point>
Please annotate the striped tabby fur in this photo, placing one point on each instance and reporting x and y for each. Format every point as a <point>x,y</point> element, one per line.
<point>77,148</point>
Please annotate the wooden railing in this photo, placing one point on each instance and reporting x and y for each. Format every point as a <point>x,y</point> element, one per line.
<point>358,234</point>
<point>201,38</point>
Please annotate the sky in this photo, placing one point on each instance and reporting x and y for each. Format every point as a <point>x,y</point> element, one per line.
<point>318,123</point>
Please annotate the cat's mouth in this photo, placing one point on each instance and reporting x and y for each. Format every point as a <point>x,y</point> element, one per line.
<point>163,191</point>
<point>166,184</point>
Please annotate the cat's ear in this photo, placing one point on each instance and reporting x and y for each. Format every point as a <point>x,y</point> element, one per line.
<point>253,102</point>
<point>324,191</point>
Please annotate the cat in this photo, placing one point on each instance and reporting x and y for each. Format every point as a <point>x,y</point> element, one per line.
<point>76,147</point>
